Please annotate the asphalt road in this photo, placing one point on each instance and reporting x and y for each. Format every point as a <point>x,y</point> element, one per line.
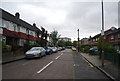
<point>65,64</point>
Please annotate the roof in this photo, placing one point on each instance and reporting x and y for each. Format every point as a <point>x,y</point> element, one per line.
<point>12,18</point>
<point>115,31</point>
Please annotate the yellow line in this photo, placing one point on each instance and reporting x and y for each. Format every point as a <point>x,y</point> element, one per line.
<point>88,63</point>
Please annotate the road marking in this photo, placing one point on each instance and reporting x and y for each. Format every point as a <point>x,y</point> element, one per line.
<point>61,53</point>
<point>76,65</point>
<point>88,62</point>
<point>45,67</point>
<point>57,57</point>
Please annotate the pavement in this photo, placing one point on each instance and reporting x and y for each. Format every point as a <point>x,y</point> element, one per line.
<point>65,65</point>
<point>11,58</point>
<point>109,68</point>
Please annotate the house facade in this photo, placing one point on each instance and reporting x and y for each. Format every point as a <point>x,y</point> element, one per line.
<point>65,39</point>
<point>111,36</point>
<point>17,32</point>
<point>84,41</point>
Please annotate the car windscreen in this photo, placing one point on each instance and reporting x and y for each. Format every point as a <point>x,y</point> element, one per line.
<point>32,49</point>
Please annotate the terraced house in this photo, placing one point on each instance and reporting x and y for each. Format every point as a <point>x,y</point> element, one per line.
<point>17,32</point>
<point>112,36</point>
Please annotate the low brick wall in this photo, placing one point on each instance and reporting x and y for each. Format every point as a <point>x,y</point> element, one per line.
<point>8,56</point>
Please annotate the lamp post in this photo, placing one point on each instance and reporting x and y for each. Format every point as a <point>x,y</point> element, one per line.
<point>102,33</point>
<point>78,41</point>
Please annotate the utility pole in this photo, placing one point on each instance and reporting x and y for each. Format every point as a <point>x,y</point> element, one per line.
<point>78,41</point>
<point>102,33</point>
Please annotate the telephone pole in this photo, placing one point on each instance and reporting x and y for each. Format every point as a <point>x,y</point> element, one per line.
<point>78,41</point>
<point>102,33</point>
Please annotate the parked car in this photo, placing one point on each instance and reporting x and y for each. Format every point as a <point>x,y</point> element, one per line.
<point>93,51</point>
<point>74,49</point>
<point>54,49</point>
<point>63,48</point>
<point>59,48</point>
<point>35,52</point>
<point>48,51</point>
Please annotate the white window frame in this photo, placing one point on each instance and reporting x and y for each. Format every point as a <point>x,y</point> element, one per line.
<point>118,35</point>
<point>112,36</point>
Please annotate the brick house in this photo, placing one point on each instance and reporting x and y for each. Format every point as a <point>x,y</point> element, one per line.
<point>94,40</point>
<point>17,32</point>
<point>112,36</point>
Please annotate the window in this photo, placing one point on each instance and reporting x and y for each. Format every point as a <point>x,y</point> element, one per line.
<point>27,31</point>
<point>6,24</point>
<point>22,29</point>
<point>104,37</point>
<point>15,28</point>
<point>22,42</point>
<point>112,36</point>
<point>39,35</point>
<point>18,28</point>
<point>0,22</point>
<point>31,33</point>
<point>1,31</point>
<point>118,35</point>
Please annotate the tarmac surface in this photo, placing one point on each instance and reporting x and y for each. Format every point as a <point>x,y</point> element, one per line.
<point>66,64</point>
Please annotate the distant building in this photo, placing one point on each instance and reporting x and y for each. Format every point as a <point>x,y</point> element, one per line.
<point>84,41</point>
<point>64,39</point>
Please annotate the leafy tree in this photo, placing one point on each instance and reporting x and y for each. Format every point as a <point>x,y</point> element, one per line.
<point>74,43</point>
<point>68,43</point>
<point>109,49</point>
<point>61,43</point>
<point>106,47</point>
<point>54,36</point>
<point>100,46</point>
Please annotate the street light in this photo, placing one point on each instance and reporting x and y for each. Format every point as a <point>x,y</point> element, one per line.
<point>102,33</point>
<point>78,40</point>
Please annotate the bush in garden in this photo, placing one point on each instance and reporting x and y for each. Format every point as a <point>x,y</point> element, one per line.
<point>29,46</point>
<point>109,49</point>
<point>6,48</point>
<point>86,49</point>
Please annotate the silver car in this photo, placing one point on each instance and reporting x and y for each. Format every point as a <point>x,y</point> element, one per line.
<point>35,52</point>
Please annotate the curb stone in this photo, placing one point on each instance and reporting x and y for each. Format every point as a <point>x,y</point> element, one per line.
<point>13,60</point>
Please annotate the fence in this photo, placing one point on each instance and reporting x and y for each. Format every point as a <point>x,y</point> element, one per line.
<point>113,57</point>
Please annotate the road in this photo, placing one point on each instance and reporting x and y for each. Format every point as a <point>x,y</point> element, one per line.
<point>66,64</point>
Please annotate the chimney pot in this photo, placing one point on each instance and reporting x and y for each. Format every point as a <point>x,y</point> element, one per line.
<point>17,15</point>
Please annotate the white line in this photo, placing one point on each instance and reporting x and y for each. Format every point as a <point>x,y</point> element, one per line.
<point>45,67</point>
<point>57,57</point>
<point>61,53</point>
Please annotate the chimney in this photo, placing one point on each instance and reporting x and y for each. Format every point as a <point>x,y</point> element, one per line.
<point>34,24</point>
<point>17,15</point>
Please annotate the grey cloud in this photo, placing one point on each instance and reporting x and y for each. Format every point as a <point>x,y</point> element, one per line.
<point>83,15</point>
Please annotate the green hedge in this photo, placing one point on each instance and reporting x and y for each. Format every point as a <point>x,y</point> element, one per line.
<point>113,57</point>
<point>29,46</point>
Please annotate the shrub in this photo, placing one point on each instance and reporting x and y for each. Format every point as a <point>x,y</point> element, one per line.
<point>86,49</point>
<point>29,46</point>
<point>6,48</point>
<point>109,49</point>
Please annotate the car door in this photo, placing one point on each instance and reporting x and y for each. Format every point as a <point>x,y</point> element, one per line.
<point>42,51</point>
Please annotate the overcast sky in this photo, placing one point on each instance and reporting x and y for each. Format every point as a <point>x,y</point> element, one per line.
<point>66,16</point>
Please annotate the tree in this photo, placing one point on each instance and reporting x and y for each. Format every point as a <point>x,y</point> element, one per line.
<point>61,43</point>
<point>68,43</point>
<point>100,46</point>
<point>54,36</point>
<point>74,43</point>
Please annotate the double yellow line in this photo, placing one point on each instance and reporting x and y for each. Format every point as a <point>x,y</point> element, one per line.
<point>88,62</point>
